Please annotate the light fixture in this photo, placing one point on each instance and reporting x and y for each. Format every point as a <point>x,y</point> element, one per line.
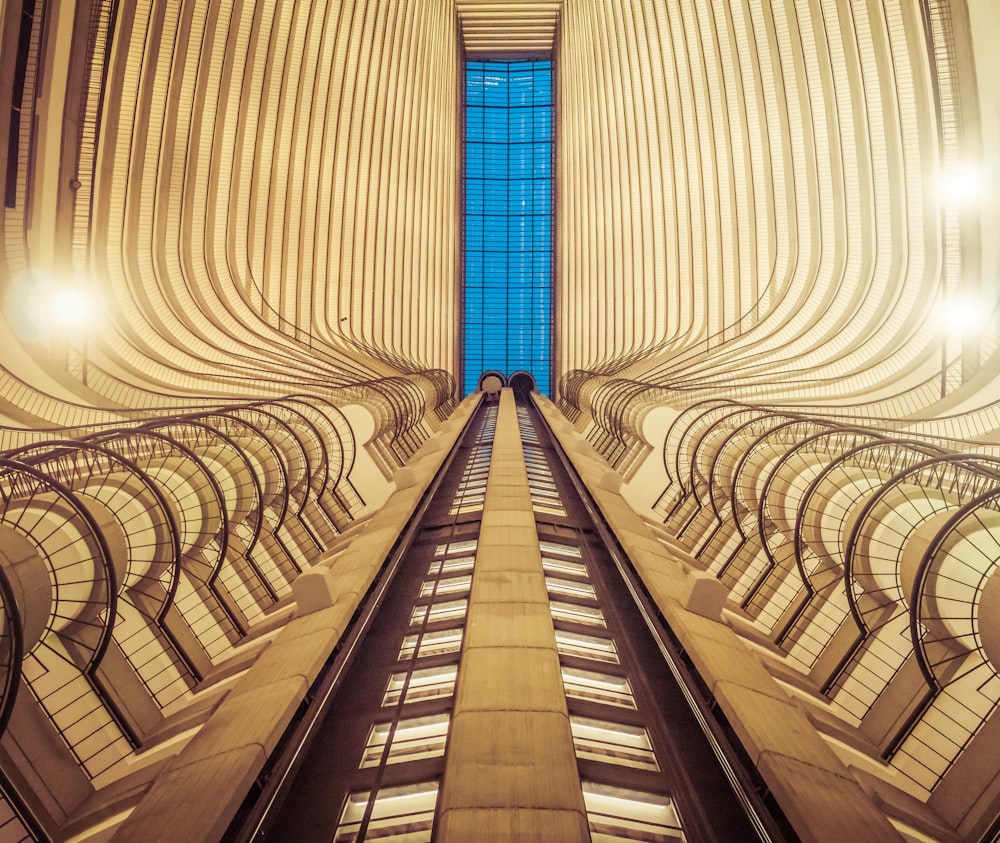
<point>41,308</point>
<point>962,315</point>
<point>960,184</point>
<point>69,306</point>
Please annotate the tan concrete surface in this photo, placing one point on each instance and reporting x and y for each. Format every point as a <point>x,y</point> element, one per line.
<point>510,747</point>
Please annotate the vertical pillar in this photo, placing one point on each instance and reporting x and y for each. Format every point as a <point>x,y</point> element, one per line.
<point>510,770</point>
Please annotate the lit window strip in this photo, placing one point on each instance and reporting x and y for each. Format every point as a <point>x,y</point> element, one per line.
<point>620,814</point>
<point>446,610</point>
<point>570,588</point>
<point>407,813</point>
<point>450,574</point>
<point>614,814</point>
<point>544,493</point>
<point>428,683</point>
<point>546,489</point>
<point>604,688</point>
<point>430,643</point>
<point>398,814</point>
<point>557,549</point>
<point>593,647</point>
<point>563,567</point>
<point>450,566</point>
<point>542,480</point>
<point>446,585</point>
<point>613,743</point>
<point>412,739</point>
<point>574,613</point>
<point>471,493</point>
<point>465,546</point>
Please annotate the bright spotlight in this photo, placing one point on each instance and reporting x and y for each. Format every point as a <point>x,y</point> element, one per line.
<point>961,316</point>
<point>70,307</point>
<point>961,185</point>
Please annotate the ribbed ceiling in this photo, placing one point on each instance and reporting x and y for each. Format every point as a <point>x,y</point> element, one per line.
<point>264,195</point>
<point>737,217</point>
<point>525,28</point>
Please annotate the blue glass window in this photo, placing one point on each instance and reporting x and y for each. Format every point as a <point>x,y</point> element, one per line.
<point>508,220</point>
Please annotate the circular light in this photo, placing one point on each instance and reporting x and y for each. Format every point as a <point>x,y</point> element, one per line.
<point>70,307</point>
<point>961,184</point>
<point>962,316</point>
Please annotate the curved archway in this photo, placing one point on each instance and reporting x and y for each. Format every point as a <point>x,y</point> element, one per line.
<point>522,383</point>
<point>491,381</point>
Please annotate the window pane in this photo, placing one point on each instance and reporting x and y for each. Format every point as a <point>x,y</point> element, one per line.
<point>447,610</point>
<point>508,220</point>
<point>431,683</point>
<point>613,743</point>
<point>433,643</point>
<point>411,740</point>
<point>398,814</point>
<point>450,566</point>
<point>586,646</point>
<point>599,687</point>
<point>573,613</point>
<point>564,566</point>
<point>616,813</point>
<point>448,585</point>
<point>570,588</point>
<point>555,549</point>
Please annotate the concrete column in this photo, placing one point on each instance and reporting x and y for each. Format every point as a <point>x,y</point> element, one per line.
<point>510,771</point>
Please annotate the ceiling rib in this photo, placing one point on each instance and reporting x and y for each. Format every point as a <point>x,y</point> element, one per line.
<point>492,29</point>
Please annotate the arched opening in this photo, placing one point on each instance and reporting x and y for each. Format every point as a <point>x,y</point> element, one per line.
<point>522,383</point>
<point>491,382</point>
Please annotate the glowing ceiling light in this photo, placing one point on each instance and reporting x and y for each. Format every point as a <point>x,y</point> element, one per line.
<point>961,184</point>
<point>70,307</point>
<point>962,315</point>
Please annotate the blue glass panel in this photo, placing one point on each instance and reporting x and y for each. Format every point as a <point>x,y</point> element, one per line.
<point>508,220</point>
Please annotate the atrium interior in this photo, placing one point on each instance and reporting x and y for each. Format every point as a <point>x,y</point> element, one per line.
<point>380,460</point>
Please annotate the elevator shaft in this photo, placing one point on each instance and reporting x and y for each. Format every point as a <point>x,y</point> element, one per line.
<point>509,687</point>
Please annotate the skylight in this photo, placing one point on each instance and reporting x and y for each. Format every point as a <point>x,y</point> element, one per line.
<point>508,220</point>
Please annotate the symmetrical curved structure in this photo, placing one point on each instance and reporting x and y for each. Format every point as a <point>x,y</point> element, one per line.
<point>229,349</point>
<point>862,559</point>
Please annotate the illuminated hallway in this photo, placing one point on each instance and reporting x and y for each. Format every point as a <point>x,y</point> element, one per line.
<point>236,265</point>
